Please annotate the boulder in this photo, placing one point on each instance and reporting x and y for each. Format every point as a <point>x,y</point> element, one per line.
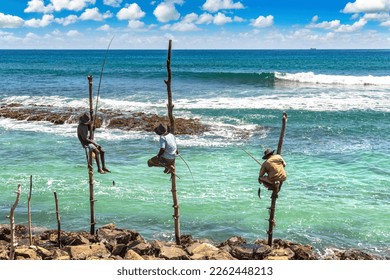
<point>173,253</point>
<point>81,252</point>
<point>132,255</point>
<point>26,254</point>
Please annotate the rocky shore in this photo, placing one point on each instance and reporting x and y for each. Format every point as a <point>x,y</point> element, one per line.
<point>129,121</point>
<point>112,243</point>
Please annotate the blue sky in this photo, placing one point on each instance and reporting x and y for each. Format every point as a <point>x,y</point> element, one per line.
<point>194,24</point>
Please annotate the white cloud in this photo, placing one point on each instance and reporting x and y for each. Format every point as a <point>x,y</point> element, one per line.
<point>131,12</point>
<point>104,27</point>
<point>216,5</point>
<point>9,21</point>
<point>94,14</point>
<point>205,18</point>
<point>262,22</point>
<point>238,19</point>
<point>221,19</point>
<point>73,33</point>
<point>166,11</point>
<point>365,6</point>
<point>385,23</point>
<point>184,27</point>
<point>352,28</point>
<point>67,20</point>
<point>38,6</point>
<point>112,3</point>
<point>136,24</point>
<point>326,24</point>
<point>45,21</point>
<point>72,5</point>
<point>377,16</point>
<point>314,19</point>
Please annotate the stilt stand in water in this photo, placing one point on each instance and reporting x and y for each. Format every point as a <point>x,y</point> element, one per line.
<point>277,187</point>
<point>176,215</point>
<point>90,162</point>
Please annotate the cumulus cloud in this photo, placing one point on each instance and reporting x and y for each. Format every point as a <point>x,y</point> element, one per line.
<point>166,11</point>
<point>221,19</point>
<point>9,21</point>
<point>325,24</point>
<point>205,18</point>
<point>104,27</point>
<point>112,3</point>
<point>73,33</point>
<point>131,12</point>
<point>38,6</point>
<point>216,5</point>
<point>94,14</point>
<point>45,21</point>
<point>72,5</point>
<point>262,22</point>
<point>136,24</point>
<point>67,20</point>
<point>364,6</point>
<point>352,28</point>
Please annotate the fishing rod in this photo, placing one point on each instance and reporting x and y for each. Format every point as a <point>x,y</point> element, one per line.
<point>100,80</point>
<point>189,169</point>
<point>250,155</point>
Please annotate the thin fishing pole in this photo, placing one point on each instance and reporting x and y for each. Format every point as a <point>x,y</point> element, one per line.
<point>100,80</point>
<point>189,169</point>
<point>250,155</point>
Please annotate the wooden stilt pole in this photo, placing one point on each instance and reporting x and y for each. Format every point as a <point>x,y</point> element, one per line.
<point>277,187</point>
<point>176,212</point>
<point>29,212</point>
<point>12,224</point>
<point>90,163</point>
<point>58,220</point>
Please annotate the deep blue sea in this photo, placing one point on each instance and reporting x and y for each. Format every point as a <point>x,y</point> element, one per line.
<point>336,146</point>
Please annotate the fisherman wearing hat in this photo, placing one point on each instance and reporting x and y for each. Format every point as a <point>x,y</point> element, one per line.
<point>274,168</point>
<point>82,133</point>
<point>168,150</point>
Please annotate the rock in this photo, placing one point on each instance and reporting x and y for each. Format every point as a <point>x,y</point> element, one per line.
<point>81,252</point>
<point>242,252</point>
<point>131,255</point>
<point>4,254</point>
<point>260,251</point>
<point>280,254</point>
<point>141,247</point>
<point>173,253</point>
<point>354,254</point>
<point>26,254</point>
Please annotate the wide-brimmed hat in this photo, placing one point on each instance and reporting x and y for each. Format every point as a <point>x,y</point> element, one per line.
<point>160,129</point>
<point>268,153</point>
<point>84,118</point>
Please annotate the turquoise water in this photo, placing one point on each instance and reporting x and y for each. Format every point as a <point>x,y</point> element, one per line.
<point>336,144</point>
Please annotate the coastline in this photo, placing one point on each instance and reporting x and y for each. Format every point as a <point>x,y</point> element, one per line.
<point>112,243</point>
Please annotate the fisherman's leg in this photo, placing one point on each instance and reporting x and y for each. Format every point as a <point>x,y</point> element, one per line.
<point>102,153</point>
<point>154,161</point>
<point>97,159</point>
<point>266,182</point>
<point>169,166</point>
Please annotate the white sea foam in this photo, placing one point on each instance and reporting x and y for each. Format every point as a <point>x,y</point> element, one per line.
<point>310,77</point>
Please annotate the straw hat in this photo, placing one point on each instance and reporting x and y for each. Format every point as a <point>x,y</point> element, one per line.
<point>268,153</point>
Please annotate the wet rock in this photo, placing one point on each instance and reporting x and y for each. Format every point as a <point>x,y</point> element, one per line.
<point>280,254</point>
<point>354,254</point>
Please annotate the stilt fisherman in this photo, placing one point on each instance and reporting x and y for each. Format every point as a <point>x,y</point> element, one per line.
<point>168,151</point>
<point>97,150</point>
<point>274,168</point>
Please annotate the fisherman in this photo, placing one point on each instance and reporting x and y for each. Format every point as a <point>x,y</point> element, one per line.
<point>168,151</point>
<point>95,148</point>
<point>274,167</point>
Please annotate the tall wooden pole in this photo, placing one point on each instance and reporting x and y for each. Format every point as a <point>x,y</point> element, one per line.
<point>29,212</point>
<point>90,162</point>
<point>277,187</point>
<point>58,220</point>
<point>176,211</point>
<point>12,224</point>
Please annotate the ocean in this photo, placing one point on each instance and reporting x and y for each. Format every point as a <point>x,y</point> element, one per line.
<point>336,144</point>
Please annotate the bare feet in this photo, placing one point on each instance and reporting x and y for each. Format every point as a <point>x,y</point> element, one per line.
<point>100,171</point>
<point>106,170</point>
